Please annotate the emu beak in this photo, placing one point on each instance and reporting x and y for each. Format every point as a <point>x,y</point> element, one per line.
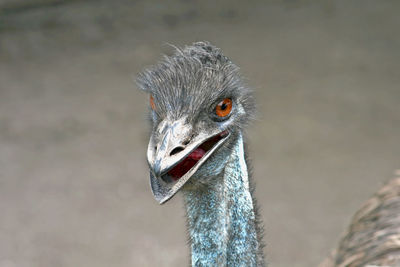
<point>174,156</point>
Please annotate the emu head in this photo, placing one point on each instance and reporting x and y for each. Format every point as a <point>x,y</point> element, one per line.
<point>198,105</point>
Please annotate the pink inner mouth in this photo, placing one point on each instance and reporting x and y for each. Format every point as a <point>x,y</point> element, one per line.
<point>185,165</point>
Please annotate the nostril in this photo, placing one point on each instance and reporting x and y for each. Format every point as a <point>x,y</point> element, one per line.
<point>176,150</point>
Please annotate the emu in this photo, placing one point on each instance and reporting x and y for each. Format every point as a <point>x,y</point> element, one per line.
<point>199,108</point>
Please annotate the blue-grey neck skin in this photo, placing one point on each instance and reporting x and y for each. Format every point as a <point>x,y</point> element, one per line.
<point>222,217</point>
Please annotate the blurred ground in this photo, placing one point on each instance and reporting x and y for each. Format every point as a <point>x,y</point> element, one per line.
<point>73,178</point>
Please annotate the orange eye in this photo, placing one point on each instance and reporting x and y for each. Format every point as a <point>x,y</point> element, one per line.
<point>224,107</point>
<point>152,105</point>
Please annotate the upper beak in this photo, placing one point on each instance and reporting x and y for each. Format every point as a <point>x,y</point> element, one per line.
<point>170,144</point>
<point>162,160</point>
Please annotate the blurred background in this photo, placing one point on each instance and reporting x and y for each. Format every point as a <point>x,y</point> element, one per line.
<point>74,187</point>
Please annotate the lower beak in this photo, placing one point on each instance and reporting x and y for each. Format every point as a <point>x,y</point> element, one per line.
<point>172,164</point>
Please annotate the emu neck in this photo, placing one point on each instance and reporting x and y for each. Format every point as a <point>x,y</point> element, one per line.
<point>222,219</point>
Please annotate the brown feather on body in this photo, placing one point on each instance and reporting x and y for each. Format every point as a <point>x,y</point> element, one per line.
<point>373,237</point>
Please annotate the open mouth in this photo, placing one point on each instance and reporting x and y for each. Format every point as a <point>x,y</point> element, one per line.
<point>187,163</point>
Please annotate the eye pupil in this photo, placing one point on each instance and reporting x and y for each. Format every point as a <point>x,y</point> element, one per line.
<point>224,108</point>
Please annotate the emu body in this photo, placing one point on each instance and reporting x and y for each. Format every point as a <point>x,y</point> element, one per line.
<point>373,237</point>
<point>199,109</point>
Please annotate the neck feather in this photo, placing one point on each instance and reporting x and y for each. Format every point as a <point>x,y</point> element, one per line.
<point>222,218</point>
